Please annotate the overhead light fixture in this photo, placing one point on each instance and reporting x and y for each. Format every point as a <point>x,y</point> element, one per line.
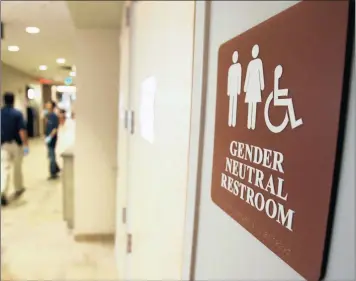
<point>72,73</point>
<point>42,67</point>
<point>60,61</point>
<point>32,30</point>
<point>13,48</point>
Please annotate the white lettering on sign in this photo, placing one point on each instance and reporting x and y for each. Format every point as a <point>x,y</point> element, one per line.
<point>238,173</point>
<point>257,155</point>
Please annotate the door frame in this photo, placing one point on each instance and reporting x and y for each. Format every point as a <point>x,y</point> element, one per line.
<point>197,132</point>
<point>123,136</point>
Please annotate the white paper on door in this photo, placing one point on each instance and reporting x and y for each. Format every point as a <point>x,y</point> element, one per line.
<point>148,91</point>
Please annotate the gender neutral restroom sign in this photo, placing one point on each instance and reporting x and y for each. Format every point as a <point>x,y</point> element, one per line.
<point>279,93</point>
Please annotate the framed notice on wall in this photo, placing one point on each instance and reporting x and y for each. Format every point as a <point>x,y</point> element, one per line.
<point>281,100</point>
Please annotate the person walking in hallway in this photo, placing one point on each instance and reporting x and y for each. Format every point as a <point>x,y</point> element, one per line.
<point>14,145</point>
<point>52,124</point>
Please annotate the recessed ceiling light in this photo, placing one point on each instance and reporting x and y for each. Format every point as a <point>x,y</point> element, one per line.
<point>13,48</point>
<point>60,61</point>
<point>42,67</point>
<point>72,73</point>
<point>32,29</point>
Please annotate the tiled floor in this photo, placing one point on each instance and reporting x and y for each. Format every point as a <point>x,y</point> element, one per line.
<point>35,243</point>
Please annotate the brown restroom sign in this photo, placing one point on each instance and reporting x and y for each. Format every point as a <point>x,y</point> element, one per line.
<point>281,91</point>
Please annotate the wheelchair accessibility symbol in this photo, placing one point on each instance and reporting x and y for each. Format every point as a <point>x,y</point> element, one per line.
<point>278,101</point>
<point>253,87</point>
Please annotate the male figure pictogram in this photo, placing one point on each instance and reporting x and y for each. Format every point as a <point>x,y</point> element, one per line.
<point>234,88</point>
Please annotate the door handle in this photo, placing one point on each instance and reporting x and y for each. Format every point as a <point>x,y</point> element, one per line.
<point>132,127</point>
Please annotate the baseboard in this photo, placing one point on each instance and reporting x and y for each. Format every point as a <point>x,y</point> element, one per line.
<point>95,237</point>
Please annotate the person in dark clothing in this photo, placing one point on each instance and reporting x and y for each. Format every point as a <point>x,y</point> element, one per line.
<point>51,132</point>
<point>14,146</point>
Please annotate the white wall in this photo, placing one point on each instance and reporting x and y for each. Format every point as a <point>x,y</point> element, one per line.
<point>97,63</point>
<point>15,81</point>
<point>225,250</point>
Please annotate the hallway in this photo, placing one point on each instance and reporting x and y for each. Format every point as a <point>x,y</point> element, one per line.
<point>35,242</point>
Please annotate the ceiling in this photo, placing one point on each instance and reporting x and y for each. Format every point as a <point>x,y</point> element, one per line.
<point>96,14</point>
<point>57,21</point>
<point>55,40</point>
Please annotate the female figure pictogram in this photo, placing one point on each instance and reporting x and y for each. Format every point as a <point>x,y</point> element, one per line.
<point>254,85</point>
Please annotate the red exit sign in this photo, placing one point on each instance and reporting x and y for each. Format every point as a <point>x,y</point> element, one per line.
<point>45,81</point>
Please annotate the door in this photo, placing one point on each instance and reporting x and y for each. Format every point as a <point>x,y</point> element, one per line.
<point>162,52</point>
<point>123,133</point>
<point>30,122</point>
